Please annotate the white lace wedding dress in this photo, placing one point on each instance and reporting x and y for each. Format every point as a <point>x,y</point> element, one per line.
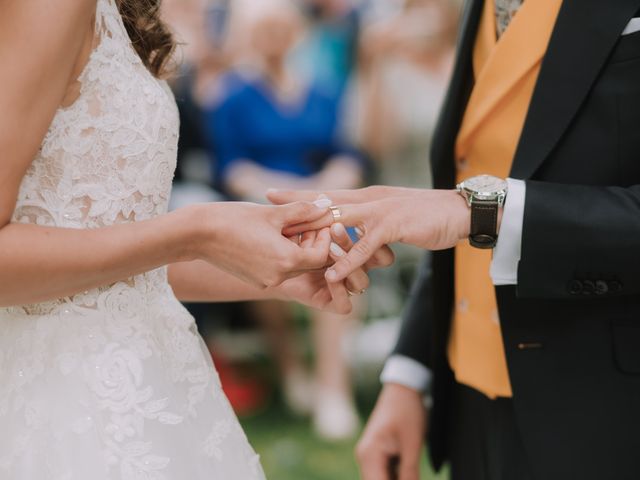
<point>113,383</point>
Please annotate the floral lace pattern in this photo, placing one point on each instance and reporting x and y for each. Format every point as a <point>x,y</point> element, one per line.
<point>114,383</point>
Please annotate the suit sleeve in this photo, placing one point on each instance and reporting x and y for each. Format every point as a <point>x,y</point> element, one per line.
<point>413,341</point>
<point>579,241</point>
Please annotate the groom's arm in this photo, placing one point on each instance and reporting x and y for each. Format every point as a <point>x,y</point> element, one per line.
<point>569,241</point>
<point>579,241</point>
<point>408,365</point>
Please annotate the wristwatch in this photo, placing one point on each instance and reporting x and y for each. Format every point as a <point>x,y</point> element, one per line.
<point>485,195</point>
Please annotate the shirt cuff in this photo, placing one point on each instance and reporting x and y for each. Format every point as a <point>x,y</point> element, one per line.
<point>506,254</point>
<point>407,372</point>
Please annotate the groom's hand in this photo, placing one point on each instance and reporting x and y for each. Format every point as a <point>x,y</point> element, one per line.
<point>428,219</point>
<point>392,441</point>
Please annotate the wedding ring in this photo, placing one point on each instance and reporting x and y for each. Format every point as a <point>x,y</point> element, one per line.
<point>351,294</point>
<point>336,212</point>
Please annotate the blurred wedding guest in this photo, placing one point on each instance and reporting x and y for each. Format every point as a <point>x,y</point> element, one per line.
<point>392,106</point>
<point>328,52</point>
<point>200,26</point>
<point>405,66</point>
<point>273,128</point>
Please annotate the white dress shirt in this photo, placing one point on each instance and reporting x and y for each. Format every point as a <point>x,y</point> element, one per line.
<point>504,271</point>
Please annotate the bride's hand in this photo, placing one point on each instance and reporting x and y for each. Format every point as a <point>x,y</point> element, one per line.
<point>429,219</point>
<point>247,240</point>
<point>312,289</point>
<point>383,256</point>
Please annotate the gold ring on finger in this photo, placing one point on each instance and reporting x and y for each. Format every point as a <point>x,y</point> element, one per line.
<point>351,294</point>
<point>336,212</point>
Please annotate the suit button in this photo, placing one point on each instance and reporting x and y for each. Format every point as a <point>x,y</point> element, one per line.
<point>588,287</point>
<point>615,286</point>
<point>601,287</point>
<point>575,287</point>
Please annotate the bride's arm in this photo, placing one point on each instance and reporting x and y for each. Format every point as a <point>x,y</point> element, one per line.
<point>199,281</point>
<point>41,43</point>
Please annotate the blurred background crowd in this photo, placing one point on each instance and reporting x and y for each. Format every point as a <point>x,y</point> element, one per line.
<point>307,94</point>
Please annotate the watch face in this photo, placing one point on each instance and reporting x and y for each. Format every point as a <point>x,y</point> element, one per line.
<point>485,185</point>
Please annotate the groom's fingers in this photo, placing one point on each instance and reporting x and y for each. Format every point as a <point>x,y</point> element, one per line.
<point>282,197</point>
<point>358,281</point>
<point>381,258</point>
<point>360,254</point>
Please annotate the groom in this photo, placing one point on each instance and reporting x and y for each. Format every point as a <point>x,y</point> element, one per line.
<point>541,379</point>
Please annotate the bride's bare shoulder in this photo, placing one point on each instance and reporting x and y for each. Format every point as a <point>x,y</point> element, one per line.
<point>41,42</point>
<point>43,21</point>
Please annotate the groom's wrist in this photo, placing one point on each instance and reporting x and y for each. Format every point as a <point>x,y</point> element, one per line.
<point>403,370</point>
<point>461,214</point>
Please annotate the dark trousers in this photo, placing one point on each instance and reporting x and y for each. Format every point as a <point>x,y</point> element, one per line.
<point>485,442</point>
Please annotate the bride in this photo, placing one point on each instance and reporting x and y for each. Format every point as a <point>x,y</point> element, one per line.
<point>102,372</point>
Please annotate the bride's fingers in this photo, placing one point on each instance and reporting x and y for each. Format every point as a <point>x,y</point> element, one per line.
<point>351,215</point>
<point>323,222</point>
<point>313,251</point>
<point>300,212</point>
<point>356,282</point>
<point>307,239</point>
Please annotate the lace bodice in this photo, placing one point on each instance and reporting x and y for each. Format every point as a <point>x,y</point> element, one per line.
<point>109,157</point>
<point>113,383</point>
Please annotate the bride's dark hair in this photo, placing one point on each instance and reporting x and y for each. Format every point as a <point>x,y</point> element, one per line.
<point>151,38</point>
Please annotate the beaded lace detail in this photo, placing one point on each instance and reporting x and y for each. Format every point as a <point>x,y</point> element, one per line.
<point>115,382</point>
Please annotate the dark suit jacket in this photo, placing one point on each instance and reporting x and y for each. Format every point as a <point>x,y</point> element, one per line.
<point>576,396</point>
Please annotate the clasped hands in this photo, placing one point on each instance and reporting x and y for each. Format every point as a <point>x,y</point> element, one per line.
<point>428,219</point>
<point>299,249</point>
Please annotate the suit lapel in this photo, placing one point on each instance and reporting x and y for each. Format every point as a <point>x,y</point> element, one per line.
<point>585,33</point>
<point>456,98</point>
<point>500,66</point>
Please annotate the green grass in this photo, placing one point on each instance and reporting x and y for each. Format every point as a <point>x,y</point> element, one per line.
<point>290,451</point>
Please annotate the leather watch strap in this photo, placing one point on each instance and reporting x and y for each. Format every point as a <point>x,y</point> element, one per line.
<point>484,224</point>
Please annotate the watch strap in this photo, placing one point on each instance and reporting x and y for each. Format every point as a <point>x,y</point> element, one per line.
<point>484,224</point>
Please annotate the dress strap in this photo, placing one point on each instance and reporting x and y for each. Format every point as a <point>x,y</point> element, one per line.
<point>109,21</point>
